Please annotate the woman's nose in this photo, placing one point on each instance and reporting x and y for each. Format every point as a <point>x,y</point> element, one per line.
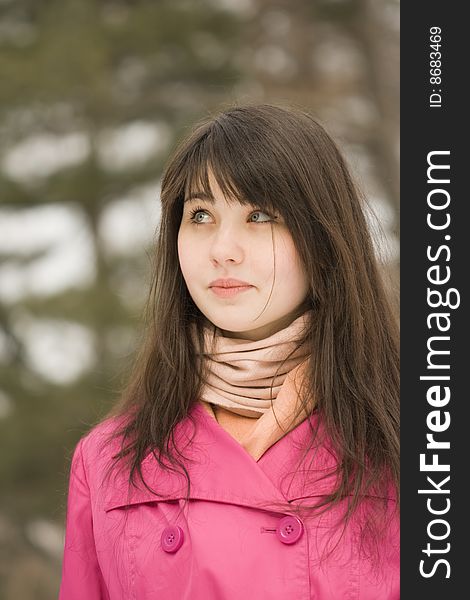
<point>227,246</point>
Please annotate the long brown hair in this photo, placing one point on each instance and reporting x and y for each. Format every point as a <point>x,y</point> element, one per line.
<point>284,161</point>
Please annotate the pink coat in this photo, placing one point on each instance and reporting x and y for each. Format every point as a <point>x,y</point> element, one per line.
<point>231,541</point>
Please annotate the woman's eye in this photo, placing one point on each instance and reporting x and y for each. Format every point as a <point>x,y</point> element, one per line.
<point>260,219</point>
<point>195,215</point>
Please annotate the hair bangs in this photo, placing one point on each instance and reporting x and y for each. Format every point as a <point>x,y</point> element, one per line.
<point>239,180</point>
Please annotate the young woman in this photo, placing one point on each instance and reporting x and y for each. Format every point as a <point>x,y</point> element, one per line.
<point>255,451</point>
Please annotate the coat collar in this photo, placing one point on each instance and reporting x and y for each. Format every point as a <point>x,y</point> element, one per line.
<point>221,470</point>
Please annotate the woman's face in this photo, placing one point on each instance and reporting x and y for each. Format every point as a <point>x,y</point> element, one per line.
<point>221,241</point>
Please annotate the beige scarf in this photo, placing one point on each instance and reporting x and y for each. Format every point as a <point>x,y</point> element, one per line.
<point>241,373</point>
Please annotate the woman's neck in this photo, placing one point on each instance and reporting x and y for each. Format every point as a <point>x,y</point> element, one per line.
<point>268,330</point>
<point>236,425</point>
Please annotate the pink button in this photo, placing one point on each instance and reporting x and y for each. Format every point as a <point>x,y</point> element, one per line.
<point>289,530</point>
<point>172,538</point>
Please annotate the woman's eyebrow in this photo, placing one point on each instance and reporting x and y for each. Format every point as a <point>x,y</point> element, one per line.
<point>200,196</point>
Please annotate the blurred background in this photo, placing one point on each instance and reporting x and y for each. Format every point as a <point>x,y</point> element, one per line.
<point>94,94</point>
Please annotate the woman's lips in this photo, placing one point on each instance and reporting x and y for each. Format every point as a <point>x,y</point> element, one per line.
<point>229,292</point>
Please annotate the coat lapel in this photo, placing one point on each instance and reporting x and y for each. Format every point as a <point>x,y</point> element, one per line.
<point>302,464</point>
<point>221,470</point>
